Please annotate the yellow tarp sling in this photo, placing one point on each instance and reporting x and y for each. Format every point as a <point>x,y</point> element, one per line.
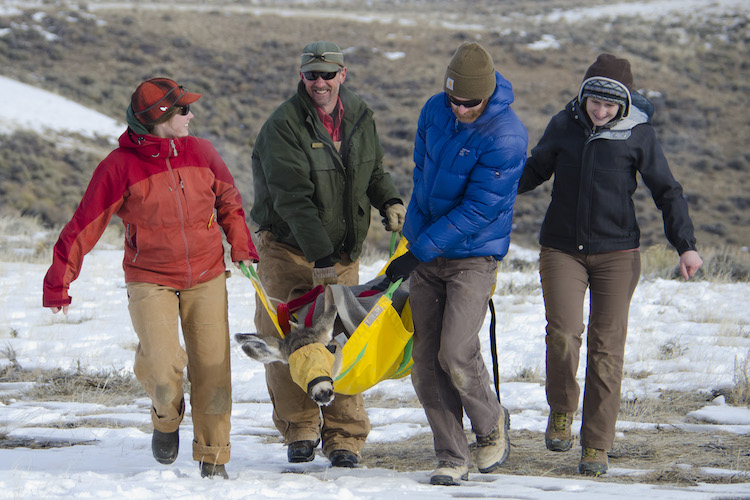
<point>379,348</point>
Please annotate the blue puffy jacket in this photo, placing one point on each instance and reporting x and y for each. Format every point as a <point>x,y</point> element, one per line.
<point>465,179</point>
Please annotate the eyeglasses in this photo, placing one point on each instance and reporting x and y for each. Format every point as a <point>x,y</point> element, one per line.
<point>184,110</point>
<point>466,104</point>
<point>325,75</point>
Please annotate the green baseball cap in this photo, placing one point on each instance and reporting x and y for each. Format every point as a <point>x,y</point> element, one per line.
<point>321,56</point>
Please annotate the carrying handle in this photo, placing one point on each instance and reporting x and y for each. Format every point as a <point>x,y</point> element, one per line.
<point>249,272</point>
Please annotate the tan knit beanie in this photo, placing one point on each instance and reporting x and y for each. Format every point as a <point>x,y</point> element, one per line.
<point>471,73</point>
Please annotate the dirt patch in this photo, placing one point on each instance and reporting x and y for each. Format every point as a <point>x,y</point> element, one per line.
<point>663,456</point>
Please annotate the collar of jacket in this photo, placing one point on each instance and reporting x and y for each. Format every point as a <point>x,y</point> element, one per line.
<point>151,145</point>
<point>353,105</point>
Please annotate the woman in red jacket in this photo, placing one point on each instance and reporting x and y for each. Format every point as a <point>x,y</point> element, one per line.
<point>173,193</point>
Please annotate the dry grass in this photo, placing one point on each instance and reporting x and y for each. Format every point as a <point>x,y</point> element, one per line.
<point>663,455</point>
<point>106,388</point>
<point>695,73</point>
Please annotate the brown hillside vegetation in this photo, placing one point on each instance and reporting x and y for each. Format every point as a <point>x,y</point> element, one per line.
<point>244,59</point>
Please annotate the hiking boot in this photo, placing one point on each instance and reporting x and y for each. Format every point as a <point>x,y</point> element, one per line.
<point>558,436</point>
<point>493,449</point>
<point>213,470</point>
<point>593,462</point>
<point>165,445</point>
<point>301,451</point>
<point>343,458</point>
<point>448,474</point>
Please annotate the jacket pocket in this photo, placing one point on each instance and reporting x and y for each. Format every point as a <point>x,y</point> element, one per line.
<point>131,239</point>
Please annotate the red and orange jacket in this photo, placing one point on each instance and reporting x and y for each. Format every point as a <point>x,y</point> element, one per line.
<point>172,195</point>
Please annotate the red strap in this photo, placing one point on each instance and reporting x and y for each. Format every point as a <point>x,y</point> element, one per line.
<point>282,315</point>
<point>284,310</point>
<point>309,316</point>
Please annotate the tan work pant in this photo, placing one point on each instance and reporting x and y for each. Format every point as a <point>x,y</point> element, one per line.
<point>286,274</point>
<point>611,279</point>
<point>160,360</point>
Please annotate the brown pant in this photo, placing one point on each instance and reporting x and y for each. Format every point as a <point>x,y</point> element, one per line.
<point>611,279</point>
<point>160,360</point>
<point>286,275</point>
<point>449,300</point>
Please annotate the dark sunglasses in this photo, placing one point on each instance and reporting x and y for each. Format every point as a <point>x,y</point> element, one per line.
<point>325,75</point>
<point>184,110</point>
<point>466,104</point>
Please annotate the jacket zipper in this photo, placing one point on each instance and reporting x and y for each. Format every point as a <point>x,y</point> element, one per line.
<point>348,186</point>
<point>178,196</point>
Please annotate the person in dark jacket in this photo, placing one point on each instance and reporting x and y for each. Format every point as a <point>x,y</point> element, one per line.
<point>468,156</point>
<point>590,239</point>
<point>317,170</point>
<point>174,195</point>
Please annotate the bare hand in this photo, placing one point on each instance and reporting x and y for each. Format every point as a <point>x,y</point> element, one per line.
<point>690,262</point>
<point>247,263</point>
<point>56,310</point>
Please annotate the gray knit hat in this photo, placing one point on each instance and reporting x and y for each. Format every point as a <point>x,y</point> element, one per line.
<point>471,73</point>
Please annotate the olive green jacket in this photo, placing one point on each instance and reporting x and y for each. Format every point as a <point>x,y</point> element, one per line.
<point>308,194</point>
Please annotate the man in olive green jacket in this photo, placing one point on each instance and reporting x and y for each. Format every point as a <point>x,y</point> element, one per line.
<point>316,172</point>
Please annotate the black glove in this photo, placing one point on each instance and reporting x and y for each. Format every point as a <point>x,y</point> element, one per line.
<point>402,266</point>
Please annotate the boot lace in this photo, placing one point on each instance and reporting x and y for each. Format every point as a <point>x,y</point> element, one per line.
<point>589,454</point>
<point>560,421</point>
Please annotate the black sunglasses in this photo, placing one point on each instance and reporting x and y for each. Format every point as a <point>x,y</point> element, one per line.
<point>466,104</point>
<point>325,75</point>
<point>184,110</point>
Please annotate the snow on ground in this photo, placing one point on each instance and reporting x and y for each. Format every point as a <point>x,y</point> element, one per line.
<point>110,457</point>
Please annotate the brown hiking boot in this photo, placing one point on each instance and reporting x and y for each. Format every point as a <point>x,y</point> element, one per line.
<point>558,436</point>
<point>593,462</point>
<point>448,474</point>
<point>492,450</point>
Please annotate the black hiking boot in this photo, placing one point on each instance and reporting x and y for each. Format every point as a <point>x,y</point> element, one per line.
<point>301,451</point>
<point>343,458</point>
<point>165,445</point>
<point>213,470</point>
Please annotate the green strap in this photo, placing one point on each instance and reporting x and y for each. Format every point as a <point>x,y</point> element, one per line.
<point>249,272</point>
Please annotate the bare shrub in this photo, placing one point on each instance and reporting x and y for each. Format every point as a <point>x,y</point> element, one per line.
<point>742,379</point>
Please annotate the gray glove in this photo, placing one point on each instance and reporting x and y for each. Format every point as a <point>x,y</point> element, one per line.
<point>393,217</point>
<point>324,273</point>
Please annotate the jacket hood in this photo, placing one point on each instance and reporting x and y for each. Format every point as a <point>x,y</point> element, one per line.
<point>151,145</point>
<point>641,111</point>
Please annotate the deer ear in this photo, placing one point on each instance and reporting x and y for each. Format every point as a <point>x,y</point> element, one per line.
<point>261,348</point>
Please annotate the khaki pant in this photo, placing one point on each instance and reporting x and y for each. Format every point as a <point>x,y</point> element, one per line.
<point>342,425</point>
<point>449,299</point>
<point>160,360</point>
<point>611,279</point>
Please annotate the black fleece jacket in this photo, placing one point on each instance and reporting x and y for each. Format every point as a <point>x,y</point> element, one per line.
<point>591,209</point>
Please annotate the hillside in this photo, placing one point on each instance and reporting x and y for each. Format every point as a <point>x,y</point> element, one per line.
<point>689,57</point>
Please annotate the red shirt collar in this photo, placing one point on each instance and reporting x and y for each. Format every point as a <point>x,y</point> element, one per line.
<point>333,126</point>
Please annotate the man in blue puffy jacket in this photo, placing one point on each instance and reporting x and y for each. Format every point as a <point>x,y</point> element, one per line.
<point>469,154</point>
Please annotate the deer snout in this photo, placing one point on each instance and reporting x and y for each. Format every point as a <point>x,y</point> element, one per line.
<point>320,390</point>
